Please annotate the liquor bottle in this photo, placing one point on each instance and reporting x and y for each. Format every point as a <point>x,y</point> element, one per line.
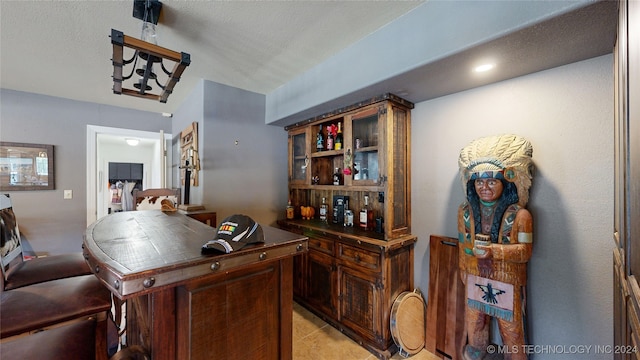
<point>366,215</point>
<point>319,140</point>
<point>340,204</point>
<point>338,144</point>
<point>337,177</point>
<point>289,210</point>
<point>348,218</point>
<point>379,228</point>
<point>329,140</point>
<point>323,210</point>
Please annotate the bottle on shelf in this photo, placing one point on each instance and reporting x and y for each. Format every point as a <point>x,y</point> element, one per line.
<point>379,225</point>
<point>340,205</point>
<point>323,210</point>
<point>289,210</point>
<point>330,137</point>
<point>337,177</point>
<point>348,218</point>
<point>319,140</point>
<point>366,215</point>
<point>338,143</point>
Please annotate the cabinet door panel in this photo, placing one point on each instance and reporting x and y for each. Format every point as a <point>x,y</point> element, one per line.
<point>299,157</point>
<point>634,331</point>
<point>137,171</point>
<point>209,322</point>
<point>359,303</point>
<point>124,170</point>
<point>113,170</point>
<point>366,142</point>
<point>322,282</point>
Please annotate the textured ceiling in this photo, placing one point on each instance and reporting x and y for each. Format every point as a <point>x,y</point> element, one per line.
<point>62,48</point>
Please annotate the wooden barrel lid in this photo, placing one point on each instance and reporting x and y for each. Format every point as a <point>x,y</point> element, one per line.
<point>408,322</point>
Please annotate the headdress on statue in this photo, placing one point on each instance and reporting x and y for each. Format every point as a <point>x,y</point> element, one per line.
<point>506,157</point>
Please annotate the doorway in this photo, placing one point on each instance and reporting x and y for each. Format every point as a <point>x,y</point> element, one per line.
<point>106,144</point>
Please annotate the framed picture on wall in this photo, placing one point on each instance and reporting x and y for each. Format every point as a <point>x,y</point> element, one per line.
<point>189,153</point>
<point>25,167</point>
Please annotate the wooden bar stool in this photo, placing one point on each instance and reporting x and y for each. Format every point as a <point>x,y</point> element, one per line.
<point>16,272</point>
<point>33,308</point>
<point>74,341</point>
<point>47,292</point>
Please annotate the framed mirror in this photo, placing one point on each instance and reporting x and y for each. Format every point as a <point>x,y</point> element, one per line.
<point>26,167</point>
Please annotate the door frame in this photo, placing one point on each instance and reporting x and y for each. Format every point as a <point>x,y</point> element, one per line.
<point>93,177</point>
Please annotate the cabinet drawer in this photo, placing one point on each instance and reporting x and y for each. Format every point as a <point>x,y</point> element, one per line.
<point>322,244</point>
<point>360,257</point>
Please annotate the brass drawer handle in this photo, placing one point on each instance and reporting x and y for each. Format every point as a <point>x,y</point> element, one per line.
<point>263,256</point>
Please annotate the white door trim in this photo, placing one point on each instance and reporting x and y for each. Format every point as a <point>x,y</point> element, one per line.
<point>91,161</point>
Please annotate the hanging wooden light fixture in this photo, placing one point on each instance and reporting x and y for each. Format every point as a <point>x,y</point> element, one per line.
<point>147,54</point>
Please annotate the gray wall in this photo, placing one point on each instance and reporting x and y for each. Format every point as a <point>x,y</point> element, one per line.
<point>191,110</point>
<point>567,114</point>
<point>51,224</point>
<point>244,161</point>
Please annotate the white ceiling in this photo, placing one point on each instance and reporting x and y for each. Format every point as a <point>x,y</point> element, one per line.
<point>62,48</point>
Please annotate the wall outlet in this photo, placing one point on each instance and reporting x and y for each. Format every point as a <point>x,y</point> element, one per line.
<point>68,194</point>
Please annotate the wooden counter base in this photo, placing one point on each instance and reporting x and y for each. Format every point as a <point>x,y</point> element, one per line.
<point>185,305</point>
<point>244,314</point>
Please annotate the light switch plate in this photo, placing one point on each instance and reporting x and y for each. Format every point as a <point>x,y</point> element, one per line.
<point>68,194</point>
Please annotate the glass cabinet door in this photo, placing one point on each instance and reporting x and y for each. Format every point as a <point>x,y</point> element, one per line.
<point>299,161</point>
<point>366,137</point>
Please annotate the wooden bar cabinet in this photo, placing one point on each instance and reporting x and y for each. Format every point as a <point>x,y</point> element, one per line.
<point>351,275</point>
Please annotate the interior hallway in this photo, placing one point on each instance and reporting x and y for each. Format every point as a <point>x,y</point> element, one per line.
<point>314,339</point>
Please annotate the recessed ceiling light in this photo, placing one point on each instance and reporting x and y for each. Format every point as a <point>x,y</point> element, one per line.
<point>132,142</point>
<point>167,114</point>
<point>484,67</point>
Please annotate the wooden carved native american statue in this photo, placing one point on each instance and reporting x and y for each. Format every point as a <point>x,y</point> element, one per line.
<point>495,235</point>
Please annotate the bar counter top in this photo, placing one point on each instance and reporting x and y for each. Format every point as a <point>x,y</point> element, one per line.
<point>138,252</point>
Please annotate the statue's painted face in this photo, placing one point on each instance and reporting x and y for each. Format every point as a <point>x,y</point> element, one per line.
<point>488,190</point>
